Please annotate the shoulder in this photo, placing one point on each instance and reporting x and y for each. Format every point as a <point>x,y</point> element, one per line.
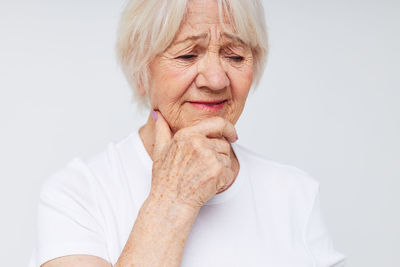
<point>76,199</point>
<point>84,176</point>
<point>270,175</point>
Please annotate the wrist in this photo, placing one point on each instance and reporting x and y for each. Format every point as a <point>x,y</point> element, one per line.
<point>170,211</point>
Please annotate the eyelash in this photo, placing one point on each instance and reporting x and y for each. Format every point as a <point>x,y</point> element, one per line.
<point>188,56</point>
<point>237,58</point>
<point>191,56</point>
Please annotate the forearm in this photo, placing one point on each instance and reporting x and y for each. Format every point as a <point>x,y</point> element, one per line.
<point>158,236</point>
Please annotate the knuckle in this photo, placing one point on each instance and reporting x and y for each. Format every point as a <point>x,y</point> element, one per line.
<point>179,134</point>
<point>229,124</point>
<point>226,146</point>
<point>208,154</point>
<point>220,120</point>
<point>222,123</point>
<point>229,163</point>
<point>214,171</point>
<point>217,168</point>
<point>196,142</point>
<point>225,160</point>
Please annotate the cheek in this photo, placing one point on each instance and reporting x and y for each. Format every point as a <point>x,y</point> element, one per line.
<point>169,83</point>
<point>175,81</point>
<point>241,80</point>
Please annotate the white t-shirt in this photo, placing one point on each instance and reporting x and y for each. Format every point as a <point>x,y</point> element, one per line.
<point>270,216</point>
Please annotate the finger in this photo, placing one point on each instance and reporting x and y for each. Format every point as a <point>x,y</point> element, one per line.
<point>225,180</point>
<point>220,145</point>
<point>162,134</point>
<point>215,127</point>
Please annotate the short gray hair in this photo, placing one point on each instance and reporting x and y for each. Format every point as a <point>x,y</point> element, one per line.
<point>148,27</point>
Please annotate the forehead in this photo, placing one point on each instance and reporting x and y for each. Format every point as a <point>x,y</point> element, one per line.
<point>202,21</point>
<point>203,11</point>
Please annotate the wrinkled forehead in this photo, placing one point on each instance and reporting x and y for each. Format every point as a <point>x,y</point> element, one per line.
<point>204,21</point>
<point>199,11</point>
<point>220,37</point>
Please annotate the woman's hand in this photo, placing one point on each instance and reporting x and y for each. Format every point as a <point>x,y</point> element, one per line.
<point>194,164</point>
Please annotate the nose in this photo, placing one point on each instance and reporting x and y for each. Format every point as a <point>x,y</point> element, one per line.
<point>211,73</point>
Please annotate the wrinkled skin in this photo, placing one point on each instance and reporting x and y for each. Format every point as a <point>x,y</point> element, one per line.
<point>214,67</point>
<point>195,164</point>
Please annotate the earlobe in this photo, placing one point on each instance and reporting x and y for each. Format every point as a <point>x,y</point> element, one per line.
<point>141,89</point>
<point>140,84</point>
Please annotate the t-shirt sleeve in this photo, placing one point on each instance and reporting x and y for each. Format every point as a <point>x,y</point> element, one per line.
<point>318,240</point>
<point>68,219</point>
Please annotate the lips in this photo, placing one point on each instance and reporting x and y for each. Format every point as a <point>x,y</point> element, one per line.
<point>209,106</point>
<point>215,102</point>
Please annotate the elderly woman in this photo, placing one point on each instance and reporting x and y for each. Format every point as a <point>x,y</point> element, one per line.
<point>179,191</point>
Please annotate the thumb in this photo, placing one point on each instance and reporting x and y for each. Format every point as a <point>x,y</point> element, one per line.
<point>162,133</point>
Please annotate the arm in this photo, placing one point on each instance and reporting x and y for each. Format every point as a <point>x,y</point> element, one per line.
<point>157,238</point>
<point>77,260</point>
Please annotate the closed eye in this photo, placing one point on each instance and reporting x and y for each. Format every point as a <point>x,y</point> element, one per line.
<point>237,58</point>
<point>189,56</point>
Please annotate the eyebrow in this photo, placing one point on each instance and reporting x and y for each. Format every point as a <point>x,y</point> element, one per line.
<point>233,37</point>
<point>205,35</point>
<point>192,38</point>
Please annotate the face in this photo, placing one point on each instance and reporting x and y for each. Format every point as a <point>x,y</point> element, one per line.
<point>205,72</point>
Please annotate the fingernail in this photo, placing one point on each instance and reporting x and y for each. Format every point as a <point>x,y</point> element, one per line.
<point>154,114</point>
<point>237,138</point>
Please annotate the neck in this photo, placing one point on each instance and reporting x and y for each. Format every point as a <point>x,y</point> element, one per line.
<point>146,133</point>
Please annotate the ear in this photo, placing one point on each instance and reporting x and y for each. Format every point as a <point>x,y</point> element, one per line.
<point>140,87</point>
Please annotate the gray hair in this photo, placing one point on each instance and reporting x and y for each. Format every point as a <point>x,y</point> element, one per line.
<point>148,27</point>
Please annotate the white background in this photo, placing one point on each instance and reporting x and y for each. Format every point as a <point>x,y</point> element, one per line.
<point>328,104</point>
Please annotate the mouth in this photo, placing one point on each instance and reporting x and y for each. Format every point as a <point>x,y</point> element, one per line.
<point>210,106</point>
